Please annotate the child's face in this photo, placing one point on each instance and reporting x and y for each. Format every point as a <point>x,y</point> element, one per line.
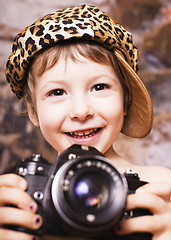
<point>79,103</point>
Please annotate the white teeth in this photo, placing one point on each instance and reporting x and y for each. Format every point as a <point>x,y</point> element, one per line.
<point>86,133</point>
<point>79,134</point>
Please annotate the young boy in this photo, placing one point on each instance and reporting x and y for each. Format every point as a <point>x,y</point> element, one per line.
<point>76,70</point>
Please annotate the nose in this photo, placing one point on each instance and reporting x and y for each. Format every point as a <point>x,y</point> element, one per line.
<point>81,110</point>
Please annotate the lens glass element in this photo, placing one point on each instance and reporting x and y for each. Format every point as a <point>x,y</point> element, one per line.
<point>91,191</point>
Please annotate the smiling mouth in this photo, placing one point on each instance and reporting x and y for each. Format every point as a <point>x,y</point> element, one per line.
<point>84,134</point>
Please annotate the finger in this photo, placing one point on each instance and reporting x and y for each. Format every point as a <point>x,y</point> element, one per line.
<point>139,224</point>
<point>13,180</point>
<point>14,216</point>
<point>6,234</point>
<point>155,204</point>
<point>160,189</point>
<point>17,197</point>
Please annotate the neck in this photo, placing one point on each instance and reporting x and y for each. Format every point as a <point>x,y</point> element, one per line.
<point>119,162</point>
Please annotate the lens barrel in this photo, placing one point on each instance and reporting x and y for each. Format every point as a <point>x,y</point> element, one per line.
<point>89,194</point>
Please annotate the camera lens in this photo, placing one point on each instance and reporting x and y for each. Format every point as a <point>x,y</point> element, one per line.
<point>91,191</point>
<point>89,194</point>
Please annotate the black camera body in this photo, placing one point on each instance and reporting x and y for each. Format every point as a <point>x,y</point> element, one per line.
<point>82,194</point>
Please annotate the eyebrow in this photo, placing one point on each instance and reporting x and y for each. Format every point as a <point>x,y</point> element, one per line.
<point>94,78</point>
<point>113,78</point>
<point>51,82</point>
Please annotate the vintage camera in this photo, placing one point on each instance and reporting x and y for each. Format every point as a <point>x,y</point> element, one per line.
<point>82,194</point>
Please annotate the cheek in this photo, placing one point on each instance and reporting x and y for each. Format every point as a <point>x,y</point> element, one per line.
<point>113,109</point>
<point>50,128</point>
<point>49,118</point>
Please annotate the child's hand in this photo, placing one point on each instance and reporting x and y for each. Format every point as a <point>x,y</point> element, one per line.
<point>12,192</point>
<point>156,198</point>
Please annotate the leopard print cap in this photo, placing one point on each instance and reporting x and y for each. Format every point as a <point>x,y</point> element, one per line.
<point>83,21</point>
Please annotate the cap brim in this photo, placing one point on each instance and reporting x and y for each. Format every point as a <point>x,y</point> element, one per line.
<point>139,118</point>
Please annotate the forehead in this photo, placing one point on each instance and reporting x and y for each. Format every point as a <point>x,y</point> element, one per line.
<point>83,70</point>
<point>77,51</point>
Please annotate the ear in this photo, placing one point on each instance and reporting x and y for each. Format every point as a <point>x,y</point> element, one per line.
<point>32,115</point>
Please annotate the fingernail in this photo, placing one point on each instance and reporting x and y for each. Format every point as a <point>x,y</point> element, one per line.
<point>34,238</point>
<point>37,220</point>
<point>33,207</point>
<point>23,184</point>
<point>118,227</point>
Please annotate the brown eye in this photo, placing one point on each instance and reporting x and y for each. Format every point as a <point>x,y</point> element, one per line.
<point>100,87</point>
<point>57,92</point>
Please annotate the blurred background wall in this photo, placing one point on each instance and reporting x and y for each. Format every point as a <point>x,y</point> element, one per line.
<point>150,23</point>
